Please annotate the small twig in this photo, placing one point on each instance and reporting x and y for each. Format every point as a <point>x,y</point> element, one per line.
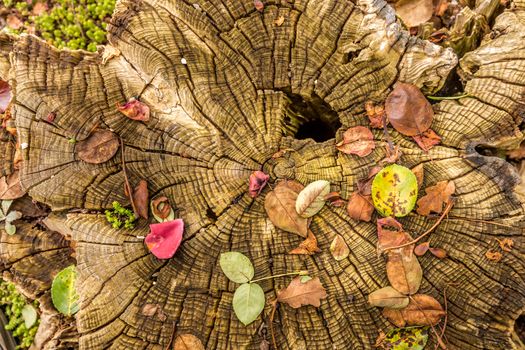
<point>446,310</point>
<point>126,180</point>
<point>300,273</point>
<point>387,135</point>
<point>445,212</point>
<point>172,336</point>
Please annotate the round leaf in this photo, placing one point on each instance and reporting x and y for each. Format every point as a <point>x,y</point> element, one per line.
<point>394,191</point>
<point>237,267</point>
<point>10,228</point>
<point>98,148</point>
<point>29,315</point>
<point>312,198</point>
<point>63,292</point>
<point>248,302</point>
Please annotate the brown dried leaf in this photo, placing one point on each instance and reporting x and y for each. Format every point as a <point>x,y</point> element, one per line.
<point>376,114</point>
<point>10,186</point>
<point>307,247</point>
<point>414,12</point>
<point>161,207</point>
<point>357,140</point>
<point>388,297</point>
<point>506,244</point>
<point>279,21</point>
<point>298,294</point>
<point>419,172</point>
<point>141,199</point>
<point>187,342</point>
<point>98,148</point>
<point>422,248</point>
<point>394,316</point>
<point>258,180</point>
<point>493,256</point>
<point>360,207</point>
<point>408,110</point>
<point>135,110</point>
<point>39,8</point>
<point>423,310</point>
<point>14,22</point>
<point>438,252</point>
<point>364,186</point>
<point>280,208</point>
<point>339,248</point>
<point>108,53</point>
<point>149,310</point>
<point>435,197</point>
<point>403,269</point>
<point>427,140</point>
<point>392,156</point>
<point>334,198</point>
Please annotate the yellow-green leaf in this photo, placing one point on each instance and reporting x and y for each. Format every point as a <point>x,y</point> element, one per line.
<point>63,292</point>
<point>248,302</point>
<point>394,191</point>
<point>237,267</point>
<point>409,338</point>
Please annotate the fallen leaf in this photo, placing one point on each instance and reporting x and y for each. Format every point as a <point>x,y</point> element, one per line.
<point>141,198</point>
<point>388,297</point>
<point>388,238</point>
<point>403,269</point>
<point>164,238</point>
<point>392,156</point>
<point>376,114</point>
<point>439,36</point>
<point>438,252</point>
<point>279,21</point>
<point>5,96</point>
<point>427,140</point>
<point>311,199</point>
<point>98,148</point>
<point>187,342</point>
<point>161,209</point>
<point>307,247</point>
<point>237,267</point>
<point>149,310</point>
<point>357,140</point>
<point>108,53</point>
<point>435,197</point>
<point>280,208</point>
<point>63,291</point>
<point>248,302</point>
<point>414,12</point>
<point>422,310</point>
<point>14,22</point>
<point>298,294</point>
<point>419,172</point>
<point>258,180</point>
<point>259,6</point>
<point>29,315</point>
<point>364,186</point>
<point>360,207</point>
<point>10,186</point>
<point>394,191</point>
<point>409,338</point>
<point>135,110</point>
<point>408,110</point>
<point>493,256</point>
<point>422,248</point>
<point>334,198</point>
<point>339,248</point>
<point>506,244</point>
<point>441,7</point>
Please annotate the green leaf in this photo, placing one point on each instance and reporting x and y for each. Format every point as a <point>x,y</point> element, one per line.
<point>237,267</point>
<point>248,302</point>
<point>6,204</point>
<point>394,191</point>
<point>10,228</point>
<point>312,198</point>
<point>29,315</point>
<point>63,292</point>
<point>410,338</point>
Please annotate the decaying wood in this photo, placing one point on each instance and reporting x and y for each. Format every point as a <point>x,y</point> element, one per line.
<point>227,89</point>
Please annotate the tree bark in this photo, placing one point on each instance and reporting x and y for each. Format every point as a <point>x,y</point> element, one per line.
<point>228,88</point>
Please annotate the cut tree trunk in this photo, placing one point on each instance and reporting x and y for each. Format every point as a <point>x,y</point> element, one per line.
<point>228,87</point>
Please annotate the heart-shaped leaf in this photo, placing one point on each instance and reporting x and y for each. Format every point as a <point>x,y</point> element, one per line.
<point>29,315</point>
<point>63,292</point>
<point>248,302</point>
<point>280,208</point>
<point>312,198</point>
<point>422,310</point>
<point>237,267</point>
<point>164,238</point>
<point>339,248</point>
<point>98,148</point>
<point>394,191</point>
<point>388,297</point>
<point>298,293</point>
<point>187,342</point>
<point>409,338</point>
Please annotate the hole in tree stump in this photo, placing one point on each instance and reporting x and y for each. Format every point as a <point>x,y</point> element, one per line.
<point>519,327</point>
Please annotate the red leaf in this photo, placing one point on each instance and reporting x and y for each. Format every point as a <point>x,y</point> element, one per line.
<point>360,207</point>
<point>258,180</point>
<point>358,140</point>
<point>427,140</point>
<point>164,238</point>
<point>141,199</point>
<point>135,110</point>
<point>422,248</point>
<point>5,96</point>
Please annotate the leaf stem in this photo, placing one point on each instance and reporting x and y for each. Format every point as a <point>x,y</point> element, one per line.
<point>126,180</point>
<point>300,273</point>
<point>441,98</point>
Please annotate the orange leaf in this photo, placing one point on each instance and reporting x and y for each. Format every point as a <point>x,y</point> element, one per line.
<point>135,110</point>
<point>422,310</point>
<point>438,252</point>
<point>280,208</point>
<point>298,294</point>
<point>506,244</point>
<point>422,248</point>
<point>427,139</point>
<point>360,207</point>
<point>493,256</point>
<point>307,247</point>
<point>376,115</point>
<point>435,197</point>
<point>188,342</point>
<point>357,140</point>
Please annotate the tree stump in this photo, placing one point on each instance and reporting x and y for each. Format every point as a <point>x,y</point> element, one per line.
<point>228,87</point>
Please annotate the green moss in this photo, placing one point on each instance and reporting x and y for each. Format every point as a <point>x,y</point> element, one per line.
<point>73,24</point>
<point>12,304</point>
<point>120,216</point>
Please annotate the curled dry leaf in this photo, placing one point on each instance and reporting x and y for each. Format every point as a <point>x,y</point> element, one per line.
<point>135,110</point>
<point>422,310</point>
<point>334,198</point>
<point>394,191</point>
<point>414,12</point>
<point>307,247</point>
<point>422,248</point>
<point>438,252</point>
<point>5,96</point>
<point>339,248</point>
<point>408,110</point>
<point>419,172</point>
<point>376,114</point>
<point>311,199</point>
<point>280,208</point>
<point>164,238</point>
<point>187,342</point>
<point>149,310</point>
<point>360,207</point>
<point>298,293</point>
<point>493,256</point>
<point>427,140</point>
<point>506,244</point>
<point>357,140</point>
<point>279,21</point>
<point>161,209</point>
<point>11,187</point>
<point>141,199</point>
<point>388,297</point>
<point>98,148</point>
<point>258,180</point>
<point>436,196</point>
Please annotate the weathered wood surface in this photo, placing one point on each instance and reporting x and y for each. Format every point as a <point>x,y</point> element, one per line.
<point>220,116</point>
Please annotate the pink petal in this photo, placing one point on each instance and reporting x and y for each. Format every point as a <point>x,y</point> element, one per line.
<point>258,180</point>
<point>164,238</point>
